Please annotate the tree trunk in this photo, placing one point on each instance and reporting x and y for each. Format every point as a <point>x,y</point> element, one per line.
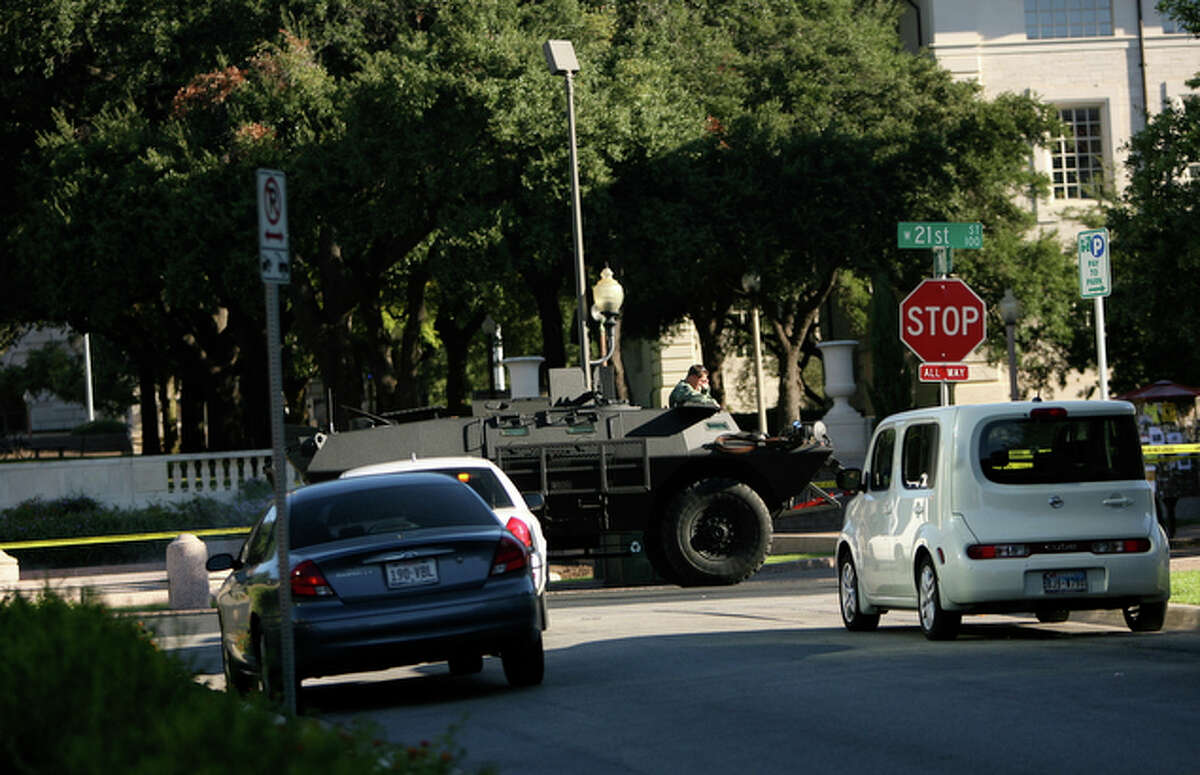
<point>191,412</point>
<point>326,321</point>
<point>411,351</point>
<point>170,431</point>
<point>618,364</point>
<point>457,341</point>
<point>792,326</point>
<point>149,408</point>
<point>710,328</point>
<point>554,345</point>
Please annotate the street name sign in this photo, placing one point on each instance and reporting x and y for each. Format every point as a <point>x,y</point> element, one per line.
<point>1095,269</point>
<point>942,321</point>
<point>927,234</point>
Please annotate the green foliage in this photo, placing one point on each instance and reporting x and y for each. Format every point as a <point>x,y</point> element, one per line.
<point>1186,12</point>
<point>100,426</point>
<point>425,150</point>
<point>88,692</point>
<point>1156,255</point>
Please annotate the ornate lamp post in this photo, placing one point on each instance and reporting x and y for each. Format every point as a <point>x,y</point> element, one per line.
<point>495,354</point>
<point>608,295</point>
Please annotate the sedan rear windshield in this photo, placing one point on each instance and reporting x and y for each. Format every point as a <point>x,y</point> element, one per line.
<point>391,509</point>
<point>1061,449</point>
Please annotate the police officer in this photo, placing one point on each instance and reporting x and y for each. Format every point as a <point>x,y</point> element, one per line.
<point>692,390</point>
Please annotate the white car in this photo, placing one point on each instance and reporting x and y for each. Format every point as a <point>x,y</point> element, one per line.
<point>511,507</point>
<point>1018,507</point>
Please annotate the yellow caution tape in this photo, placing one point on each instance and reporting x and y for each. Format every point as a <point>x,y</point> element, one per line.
<point>119,539</point>
<point>1157,450</point>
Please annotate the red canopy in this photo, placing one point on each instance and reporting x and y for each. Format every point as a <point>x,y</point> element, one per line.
<point>1163,390</point>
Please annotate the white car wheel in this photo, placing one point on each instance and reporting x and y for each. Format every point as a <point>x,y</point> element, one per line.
<point>936,623</point>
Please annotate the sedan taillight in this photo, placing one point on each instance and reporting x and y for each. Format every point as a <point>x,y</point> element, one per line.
<point>509,556</point>
<point>309,582</point>
<point>520,530</point>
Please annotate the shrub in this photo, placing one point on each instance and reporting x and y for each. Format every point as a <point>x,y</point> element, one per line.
<point>80,516</point>
<point>100,426</point>
<point>87,692</point>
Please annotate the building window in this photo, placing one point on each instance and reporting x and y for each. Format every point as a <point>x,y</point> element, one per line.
<point>1068,18</point>
<point>1077,160</point>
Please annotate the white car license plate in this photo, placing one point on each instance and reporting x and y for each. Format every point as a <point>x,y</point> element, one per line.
<point>411,573</point>
<point>1056,581</point>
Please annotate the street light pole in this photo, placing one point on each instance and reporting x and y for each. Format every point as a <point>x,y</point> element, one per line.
<point>750,284</point>
<point>560,56</point>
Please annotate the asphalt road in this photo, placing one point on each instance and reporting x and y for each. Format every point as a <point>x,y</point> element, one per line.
<point>762,678</point>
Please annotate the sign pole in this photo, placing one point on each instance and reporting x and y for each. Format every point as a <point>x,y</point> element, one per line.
<point>942,258</point>
<point>1101,349</point>
<point>275,266</point>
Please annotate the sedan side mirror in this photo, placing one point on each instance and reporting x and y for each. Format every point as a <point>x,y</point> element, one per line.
<point>534,500</point>
<point>219,562</point>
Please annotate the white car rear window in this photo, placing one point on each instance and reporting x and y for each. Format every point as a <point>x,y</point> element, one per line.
<point>1061,449</point>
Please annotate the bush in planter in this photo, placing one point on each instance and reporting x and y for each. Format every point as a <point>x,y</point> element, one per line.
<point>100,426</point>
<point>88,692</point>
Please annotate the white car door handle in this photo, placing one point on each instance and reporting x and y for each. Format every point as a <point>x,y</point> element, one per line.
<point>1118,501</point>
<point>919,507</point>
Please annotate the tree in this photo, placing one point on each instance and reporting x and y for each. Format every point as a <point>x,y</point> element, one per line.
<point>1155,257</point>
<point>809,133</point>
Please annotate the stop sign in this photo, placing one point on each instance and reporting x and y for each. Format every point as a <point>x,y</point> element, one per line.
<point>942,320</point>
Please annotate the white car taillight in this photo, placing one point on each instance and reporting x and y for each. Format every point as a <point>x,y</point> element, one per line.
<point>997,551</point>
<point>518,528</point>
<point>509,556</point>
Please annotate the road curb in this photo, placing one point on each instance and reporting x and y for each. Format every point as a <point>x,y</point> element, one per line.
<point>1180,618</point>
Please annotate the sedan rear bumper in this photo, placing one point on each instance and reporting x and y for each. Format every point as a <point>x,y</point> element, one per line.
<point>332,638</point>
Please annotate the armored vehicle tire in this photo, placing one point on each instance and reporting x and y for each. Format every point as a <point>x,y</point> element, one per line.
<point>716,531</point>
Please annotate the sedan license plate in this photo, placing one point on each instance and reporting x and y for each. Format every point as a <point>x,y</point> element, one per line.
<point>1059,581</point>
<point>411,573</point>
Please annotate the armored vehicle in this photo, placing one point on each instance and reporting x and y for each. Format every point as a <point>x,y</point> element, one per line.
<point>700,491</point>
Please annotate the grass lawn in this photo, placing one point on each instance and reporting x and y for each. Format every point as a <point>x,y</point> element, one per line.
<point>1185,587</point>
<point>775,559</point>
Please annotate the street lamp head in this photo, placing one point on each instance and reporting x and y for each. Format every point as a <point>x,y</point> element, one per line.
<point>1010,308</point>
<point>751,282</point>
<point>608,293</point>
<point>560,57</point>
<point>489,325</point>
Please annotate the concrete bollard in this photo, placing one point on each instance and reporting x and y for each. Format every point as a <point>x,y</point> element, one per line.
<point>187,579</point>
<point>10,569</point>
